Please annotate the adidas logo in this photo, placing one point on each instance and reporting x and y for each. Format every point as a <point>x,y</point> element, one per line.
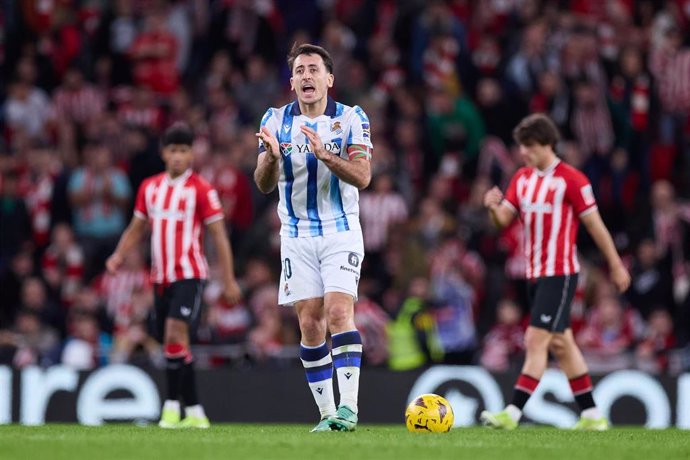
<point>348,375</point>
<point>319,390</point>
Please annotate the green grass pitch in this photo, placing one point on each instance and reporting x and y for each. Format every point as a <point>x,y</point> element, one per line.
<point>288,442</point>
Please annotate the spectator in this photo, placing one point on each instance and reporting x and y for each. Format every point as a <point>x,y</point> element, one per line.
<point>84,348</point>
<point>34,296</point>
<point>63,264</point>
<point>653,351</point>
<point>128,299</point>
<point>669,63</point>
<point>154,53</point>
<point>411,332</point>
<point>77,101</point>
<point>29,342</point>
<point>649,287</point>
<point>258,90</point>
<point>15,230</point>
<point>28,110</point>
<point>503,344</point>
<point>381,210</point>
<point>610,332</point>
<point>36,185</point>
<point>371,321</point>
<point>99,194</point>
<point>455,125</point>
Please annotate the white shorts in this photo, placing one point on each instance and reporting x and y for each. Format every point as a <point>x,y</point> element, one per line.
<point>312,266</point>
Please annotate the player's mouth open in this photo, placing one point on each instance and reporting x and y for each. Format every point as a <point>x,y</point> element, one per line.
<point>308,89</point>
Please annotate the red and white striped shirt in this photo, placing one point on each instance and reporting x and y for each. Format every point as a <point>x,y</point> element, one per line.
<point>550,203</point>
<point>176,209</point>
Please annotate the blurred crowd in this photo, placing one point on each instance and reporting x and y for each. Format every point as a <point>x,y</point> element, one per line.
<point>89,85</point>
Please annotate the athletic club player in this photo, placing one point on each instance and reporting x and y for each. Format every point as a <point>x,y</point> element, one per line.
<point>551,198</point>
<point>178,204</point>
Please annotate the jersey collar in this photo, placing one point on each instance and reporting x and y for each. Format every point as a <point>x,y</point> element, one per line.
<point>549,169</point>
<point>330,108</point>
<point>179,179</point>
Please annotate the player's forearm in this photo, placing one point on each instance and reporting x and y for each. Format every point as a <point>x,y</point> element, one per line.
<point>501,216</point>
<point>354,172</point>
<point>224,251</point>
<point>601,236</point>
<point>130,238</point>
<point>266,173</point>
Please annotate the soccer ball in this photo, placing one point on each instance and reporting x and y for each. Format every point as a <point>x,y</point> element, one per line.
<point>429,413</point>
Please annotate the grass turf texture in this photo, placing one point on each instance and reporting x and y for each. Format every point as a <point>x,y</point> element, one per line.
<point>287,442</point>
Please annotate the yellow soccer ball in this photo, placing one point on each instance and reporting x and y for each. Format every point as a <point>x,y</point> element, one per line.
<point>429,413</point>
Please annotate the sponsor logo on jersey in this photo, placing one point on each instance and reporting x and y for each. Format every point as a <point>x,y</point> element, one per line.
<point>286,148</point>
<point>538,208</point>
<point>167,214</point>
<point>366,133</point>
<point>353,259</point>
<point>333,147</point>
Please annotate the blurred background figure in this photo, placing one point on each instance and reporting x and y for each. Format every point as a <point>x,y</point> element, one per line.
<point>503,344</point>
<point>89,87</point>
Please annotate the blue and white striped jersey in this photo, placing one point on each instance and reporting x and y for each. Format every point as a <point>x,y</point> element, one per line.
<point>313,201</point>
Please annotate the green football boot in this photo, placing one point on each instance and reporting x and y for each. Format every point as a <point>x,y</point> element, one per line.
<point>170,418</point>
<point>192,421</point>
<point>499,420</point>
<point>323,425</point>
<point>592,424</point>
<point>344,419</point>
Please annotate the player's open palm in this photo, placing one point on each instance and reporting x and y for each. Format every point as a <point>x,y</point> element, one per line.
<point>493,197</point>
<point>315,142</point>
<point>270,142</point>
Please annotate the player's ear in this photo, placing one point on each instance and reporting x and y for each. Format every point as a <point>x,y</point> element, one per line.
<point>292,86</point>
<point>330,80</point>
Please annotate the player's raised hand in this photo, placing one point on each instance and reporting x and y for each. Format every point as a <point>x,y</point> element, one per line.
<point>232,292</point>
<point>270,142</point>
<point>315,142</point>
<point>113,263</point>
<point>493,197</point>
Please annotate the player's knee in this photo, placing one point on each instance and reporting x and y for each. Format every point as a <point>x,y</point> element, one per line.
<point>558,346</point>
<point>536,342</point>
<point>175,332</point>
<point>312,327</point>
<point>340,318</point>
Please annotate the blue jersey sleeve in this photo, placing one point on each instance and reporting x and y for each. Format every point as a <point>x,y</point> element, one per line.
<point>360,132</point>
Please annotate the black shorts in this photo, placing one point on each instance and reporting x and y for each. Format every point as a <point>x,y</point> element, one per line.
<point>180,300</point>
<point>550,300</point>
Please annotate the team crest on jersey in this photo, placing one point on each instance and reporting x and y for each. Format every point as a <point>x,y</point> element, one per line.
<point>286,148</point>
<point>336,128</point>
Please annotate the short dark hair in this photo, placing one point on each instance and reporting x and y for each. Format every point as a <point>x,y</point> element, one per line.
<point>536,129</point>
<point>307,48</point>
<point>179,133</point>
